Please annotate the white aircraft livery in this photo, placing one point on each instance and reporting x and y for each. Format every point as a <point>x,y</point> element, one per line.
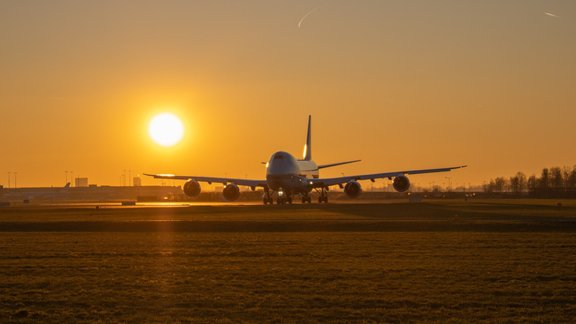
<point>287,177</point>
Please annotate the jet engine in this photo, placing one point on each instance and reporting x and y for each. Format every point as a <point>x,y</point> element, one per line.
<point>353,189</point>
<point>401,183</point>
<point>231,192</point>
<point>192,188</point>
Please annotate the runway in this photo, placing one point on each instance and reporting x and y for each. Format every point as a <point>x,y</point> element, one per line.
<point>363,217</point>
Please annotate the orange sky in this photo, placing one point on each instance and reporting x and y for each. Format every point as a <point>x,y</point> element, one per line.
<point>398,84</point>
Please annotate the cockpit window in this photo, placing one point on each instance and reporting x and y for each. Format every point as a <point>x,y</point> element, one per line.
<point>278,157</point>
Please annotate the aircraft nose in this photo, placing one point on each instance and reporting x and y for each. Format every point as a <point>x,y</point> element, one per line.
<point>282,163</point>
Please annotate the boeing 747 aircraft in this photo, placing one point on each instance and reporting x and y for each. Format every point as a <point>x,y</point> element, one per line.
<point>287,177</point>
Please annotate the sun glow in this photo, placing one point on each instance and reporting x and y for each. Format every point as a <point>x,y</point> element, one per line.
<point>166,129</point>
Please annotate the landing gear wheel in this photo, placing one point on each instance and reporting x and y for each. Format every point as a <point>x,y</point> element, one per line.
<point>323,196</point>
<point>267,199</point>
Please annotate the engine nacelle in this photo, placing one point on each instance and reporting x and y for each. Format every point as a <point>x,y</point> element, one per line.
<point>231,192</point>
<point>401,183</point>
<point>192,188</point>
<point>353,189</point>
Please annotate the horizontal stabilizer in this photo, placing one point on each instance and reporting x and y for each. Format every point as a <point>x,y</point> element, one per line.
<point>335,164</point>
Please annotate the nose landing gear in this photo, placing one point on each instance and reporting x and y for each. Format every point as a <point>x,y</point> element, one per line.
<point>281,198</point>
<point>284,200</point>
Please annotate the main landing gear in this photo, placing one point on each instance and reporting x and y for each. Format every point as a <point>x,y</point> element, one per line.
<point>267,199</point>
<point>323,198</point>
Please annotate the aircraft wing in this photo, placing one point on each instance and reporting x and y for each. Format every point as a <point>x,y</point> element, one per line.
<point>210,180</point>
<point>318,183</point>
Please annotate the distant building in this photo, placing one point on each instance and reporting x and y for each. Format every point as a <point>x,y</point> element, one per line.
<point>81,182</point>
<point>137,182</point>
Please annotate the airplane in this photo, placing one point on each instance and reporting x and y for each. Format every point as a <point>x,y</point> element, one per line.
<point>287,177</point>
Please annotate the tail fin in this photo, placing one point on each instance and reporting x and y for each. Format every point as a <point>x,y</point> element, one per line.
<point>308,145</point>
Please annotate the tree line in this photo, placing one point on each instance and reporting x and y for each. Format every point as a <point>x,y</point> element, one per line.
<point>552,182</point>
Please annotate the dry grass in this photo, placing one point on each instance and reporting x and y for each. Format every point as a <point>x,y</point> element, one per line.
<point>181,271</point>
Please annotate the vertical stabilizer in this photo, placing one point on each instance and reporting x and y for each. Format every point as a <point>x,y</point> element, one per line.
<point>308,145</point>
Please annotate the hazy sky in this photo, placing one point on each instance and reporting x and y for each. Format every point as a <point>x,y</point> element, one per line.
<point>399,84</point>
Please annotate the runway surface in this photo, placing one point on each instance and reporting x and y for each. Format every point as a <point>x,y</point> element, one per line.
<point>377,217</point>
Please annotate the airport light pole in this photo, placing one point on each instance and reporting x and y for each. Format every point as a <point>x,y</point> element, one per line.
<point>9,178</point>
<point>15,177</point>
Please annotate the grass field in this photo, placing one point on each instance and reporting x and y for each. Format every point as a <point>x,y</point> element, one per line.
<point>438,261</point>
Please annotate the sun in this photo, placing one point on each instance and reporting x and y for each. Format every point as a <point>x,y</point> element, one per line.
<point>166,129</point>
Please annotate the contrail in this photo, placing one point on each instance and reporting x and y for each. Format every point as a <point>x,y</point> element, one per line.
<point>551,14</point>
<point>306,16</point>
